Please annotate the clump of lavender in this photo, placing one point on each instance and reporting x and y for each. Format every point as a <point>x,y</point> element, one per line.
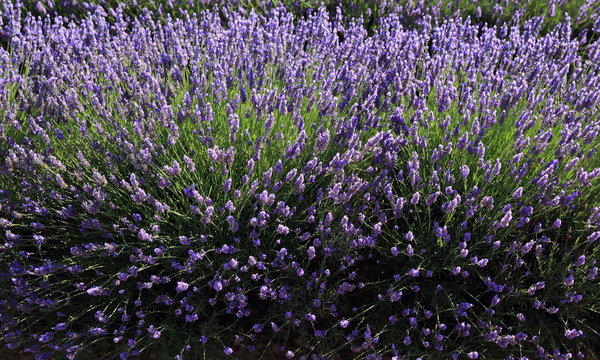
<point>409,193</point>
<point>581,13</point>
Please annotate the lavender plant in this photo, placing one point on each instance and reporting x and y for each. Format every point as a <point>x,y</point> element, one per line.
<point>192,188</point>
<point>583,13</point>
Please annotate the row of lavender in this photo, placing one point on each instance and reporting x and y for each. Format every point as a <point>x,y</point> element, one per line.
<point>187,187</point>
<point>582,13</point>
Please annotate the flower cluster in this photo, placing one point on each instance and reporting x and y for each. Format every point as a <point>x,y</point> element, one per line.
<point>416,192</point>
<point>584,13</point>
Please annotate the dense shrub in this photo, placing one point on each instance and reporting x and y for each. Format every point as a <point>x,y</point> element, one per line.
<point>582,13</point>
<point>189,187</point>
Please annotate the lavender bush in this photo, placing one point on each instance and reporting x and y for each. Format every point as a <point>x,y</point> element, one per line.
<point>190,189</point>
<point>582,12</point>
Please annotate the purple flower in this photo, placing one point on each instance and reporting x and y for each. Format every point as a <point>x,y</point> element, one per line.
<point>217,285</point>
<point>569,280</point>
<point>592,273</point>
<point>257,328</point>
<point>181,286</point>
<point>556,224</point>
<point>310,317</point>
<point>413,273</point>
<point>580,261</point>
<point>311,252</point>
<point>413,322</point>
<point>94,290</point>
<point>518,193</point>
<point>320,333</point>
<point>415,198</point>
<point>409,250</point>
<point>191,318</point>
<point>184,240</point>
<point>46,337</point>
<point>281,229</point>
<point>227,185</point>
<point>487,202</point>
<point>573,333</point>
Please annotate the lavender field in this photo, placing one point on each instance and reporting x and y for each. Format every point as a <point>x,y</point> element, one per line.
<point>230,180</point>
